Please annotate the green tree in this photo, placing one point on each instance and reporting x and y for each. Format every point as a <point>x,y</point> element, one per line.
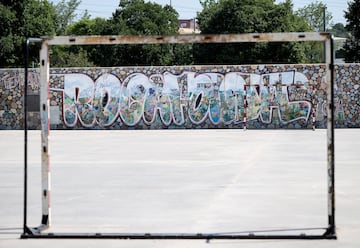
<point>77,56</point>
<point>319,20</point>
<point>146,18</point>
<point>65,14</point>
<point>249,16</point>
<point>19,20</point>
<point>352,44</point>
<point>87,26</point>
<point>64,21</point>
<point>74,56</point>
<point>314,16</point>
<point>137,17</point>
<point>133,17</point>
<point>7,36</point>
<point>339,30</point>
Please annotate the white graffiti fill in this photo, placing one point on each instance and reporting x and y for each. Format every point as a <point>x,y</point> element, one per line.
<point>78,100</point>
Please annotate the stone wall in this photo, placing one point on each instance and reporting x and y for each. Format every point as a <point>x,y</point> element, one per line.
<point>257,96</point>
<point>347,95</point>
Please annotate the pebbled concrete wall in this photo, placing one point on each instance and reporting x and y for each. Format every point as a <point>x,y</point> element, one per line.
<point>258,96</point>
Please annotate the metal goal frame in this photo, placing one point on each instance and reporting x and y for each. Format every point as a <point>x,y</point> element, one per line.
<point>37,232</point>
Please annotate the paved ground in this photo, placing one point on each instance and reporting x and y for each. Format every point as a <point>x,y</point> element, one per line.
<point>212,181</point>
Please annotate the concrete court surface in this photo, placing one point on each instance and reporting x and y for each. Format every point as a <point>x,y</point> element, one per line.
<point>188,181</point>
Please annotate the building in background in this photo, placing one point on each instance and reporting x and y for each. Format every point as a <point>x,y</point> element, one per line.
<point>188,26</point>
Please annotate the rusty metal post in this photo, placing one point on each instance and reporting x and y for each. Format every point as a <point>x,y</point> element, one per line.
<point>331,231</point>
<point>45,134</point>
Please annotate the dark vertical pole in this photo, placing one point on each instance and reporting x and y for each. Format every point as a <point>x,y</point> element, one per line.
<point>332,171</point>
<point>324,29</point>
<point>324,19</point>
<point>25,134</point>
<point>26,230</point>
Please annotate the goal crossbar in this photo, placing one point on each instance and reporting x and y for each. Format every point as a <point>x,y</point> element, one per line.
<point>190,38</point>
<point>37,232</point>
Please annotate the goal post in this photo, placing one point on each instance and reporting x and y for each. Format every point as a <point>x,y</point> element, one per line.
<point>46,42</point>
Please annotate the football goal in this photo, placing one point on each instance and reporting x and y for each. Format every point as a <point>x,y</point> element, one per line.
<point>326,232</point>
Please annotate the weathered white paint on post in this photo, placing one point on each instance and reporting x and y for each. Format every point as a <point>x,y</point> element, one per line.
<point>45,133</point>
<point>191,38</point>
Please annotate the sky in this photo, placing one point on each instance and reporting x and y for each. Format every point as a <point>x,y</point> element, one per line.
<point>187,9</point>
<point>335,7</point>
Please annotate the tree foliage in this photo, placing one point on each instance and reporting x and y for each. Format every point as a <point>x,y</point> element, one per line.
<point>249,16</point>
<point>339,30</point>
<point>146,18</point>
<point>19,20</point>
<point>319,20</point>
<point>137,17</point>
<point>133,17</point>
<point>35,18</point>
<point>352,45</point>
<point>64,15</point>
<point>90,55</point>
<point>314,16</point>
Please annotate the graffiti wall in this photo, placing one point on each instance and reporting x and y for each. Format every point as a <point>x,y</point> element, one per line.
<point>257,96</point>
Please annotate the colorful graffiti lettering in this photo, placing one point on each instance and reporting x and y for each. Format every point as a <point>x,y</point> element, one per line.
<point>15,79</point>
<point>221,98</point>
